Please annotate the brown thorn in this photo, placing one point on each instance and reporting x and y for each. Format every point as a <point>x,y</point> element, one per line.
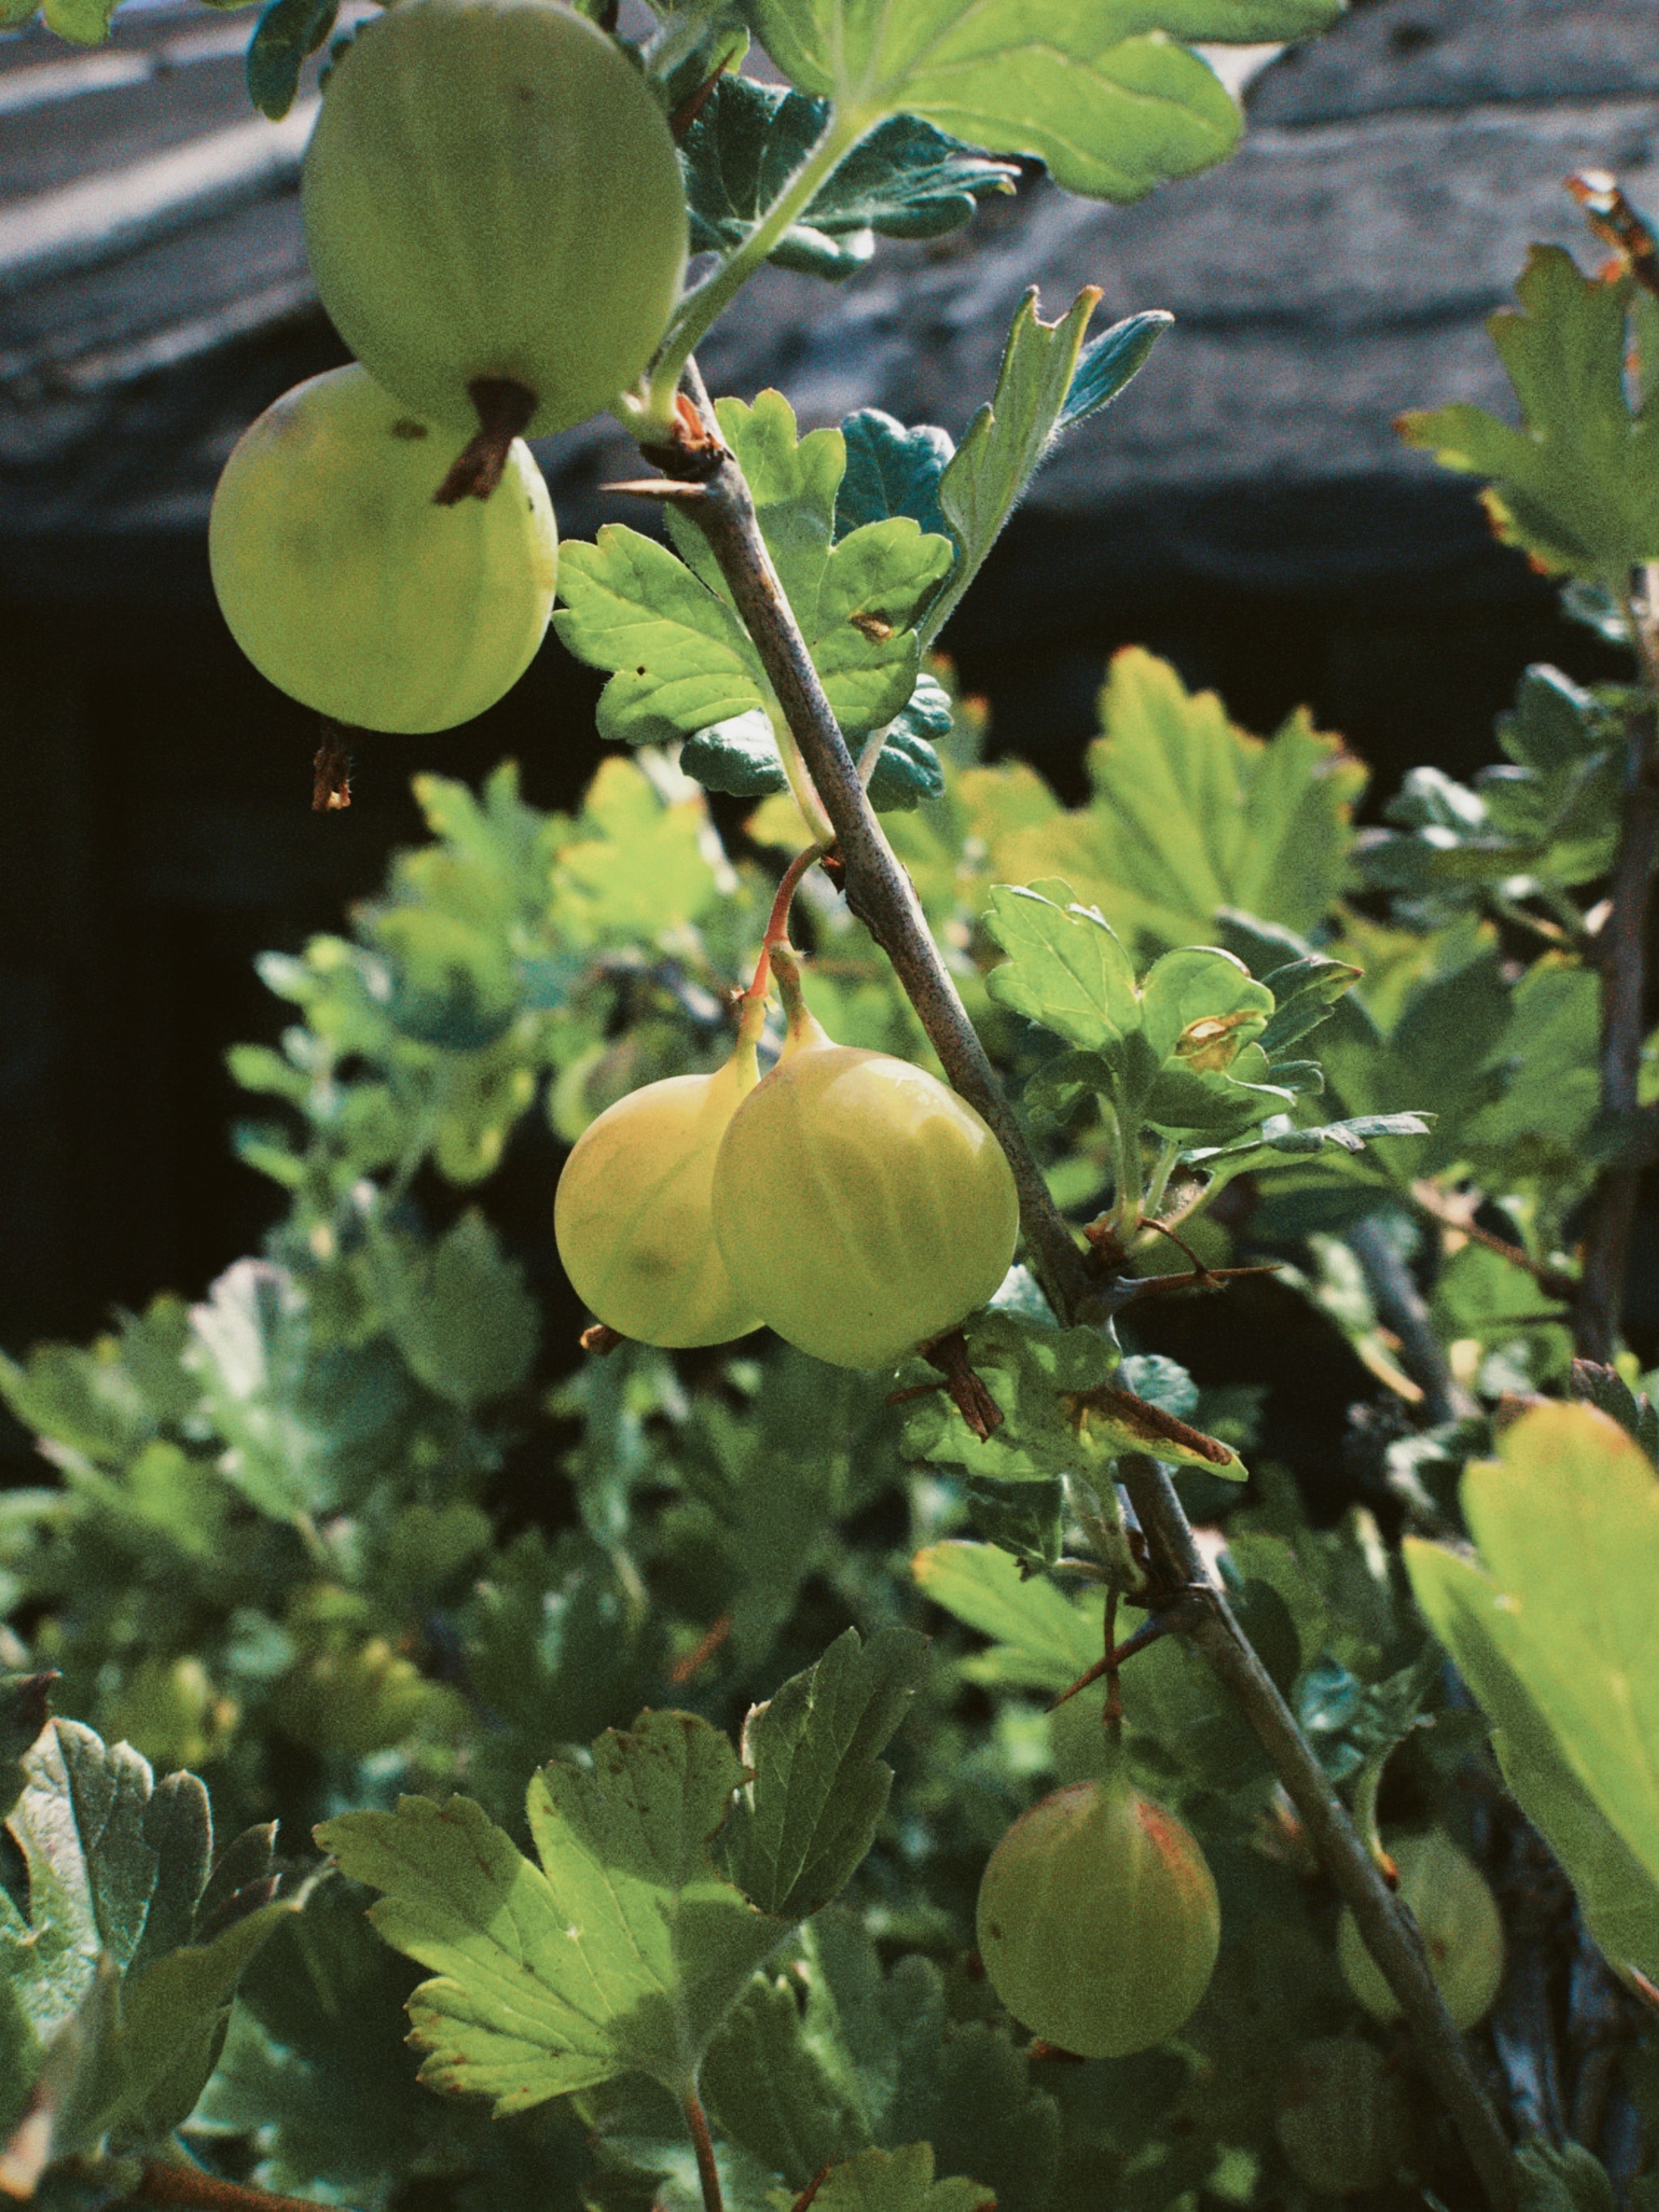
<point>601,1339</point>
<point>331,771</point>
<point>1169,1623</point>
<point>680,122</point>
<point>656,488</point>
<point>1202,1279</point>
<point>1152,1422</point>
<point>683,1670</point>
<point>949,1353</point>
<point>505,408</point>
<point>1163,1229</point>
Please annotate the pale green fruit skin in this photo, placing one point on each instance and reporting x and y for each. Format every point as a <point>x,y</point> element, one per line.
<point>1098,1921</point>
<point>1461,1930</point>
<point>861,1207</point>
<point>492,191</point>
<point>347,586</point>
<point>1343,2120</point>
<point>632,1217</point>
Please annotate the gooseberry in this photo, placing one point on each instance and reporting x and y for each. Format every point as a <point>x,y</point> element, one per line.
<point>632,1216</point>
<point>345,586</point>
<point>1343,2119</point>
<point>491,192</point>
<point>1461,1932</point>
<point>861,1207</point>
<point>1098,1921</point>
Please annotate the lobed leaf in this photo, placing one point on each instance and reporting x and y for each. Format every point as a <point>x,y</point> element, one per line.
<point>1098,89</point>
<point>907,179</point>
<point>622,1951</point>
<point>808,1814</point>
<point>1577,486</point>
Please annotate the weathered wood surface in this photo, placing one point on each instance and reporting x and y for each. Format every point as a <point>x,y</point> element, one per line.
<point>1339,270</point>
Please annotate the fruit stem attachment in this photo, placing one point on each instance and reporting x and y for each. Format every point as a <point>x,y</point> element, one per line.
<point>505,408</point>
<point>882,896</point>
<point>777,927</point>
<point>331,771</point>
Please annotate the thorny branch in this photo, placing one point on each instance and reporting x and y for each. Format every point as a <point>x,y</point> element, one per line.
<point>880,893</point>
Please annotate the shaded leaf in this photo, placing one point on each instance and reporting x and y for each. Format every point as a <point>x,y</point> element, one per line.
<point>807,1818</point>
<point>906,180</point>
<point>622,1950</point>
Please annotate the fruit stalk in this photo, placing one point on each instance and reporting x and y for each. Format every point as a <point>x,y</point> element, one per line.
<point>881,893</point>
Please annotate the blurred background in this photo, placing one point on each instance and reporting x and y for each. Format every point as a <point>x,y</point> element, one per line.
<point>1245,510</point>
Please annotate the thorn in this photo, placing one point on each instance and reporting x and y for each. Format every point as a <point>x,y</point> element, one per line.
<point>657,487</point>
<point>693,1661</point>
<point>949,1353</point>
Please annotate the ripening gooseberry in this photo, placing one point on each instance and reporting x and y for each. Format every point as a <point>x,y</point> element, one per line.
<point>345,586</point>
<point>1461,1932</point>
<point>1098,1921</point>
<point>861,1207</point>
<point>1343,2119</point>
<point>632,1214</point>
<point>491,191</point>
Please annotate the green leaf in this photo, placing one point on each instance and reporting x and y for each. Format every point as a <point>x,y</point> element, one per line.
<point>680,658</point>
<point>116,1969</point>
<point>1061,1410</point>
<point>1281,1143</point>
<point>1577,486</point>
<point>682,661</point>
<point>1177,1050</point>
<point>1100,91</point>
<point>622,1951</point>
<point>1040,1640</point>
<point>808,1816</point>
<point>458,1310</point>
<point>1570,1506</point>
<point>1006,441</point>
<point>905,180</point>
<point>287,31</point>
<point>1107,363</point>
<point>1190,815</point>
<point>991,2122</point>
<point>741,756</point>
<point>1568,2179</point>
<point>898,2181</point>
<point>86,21</point>
<point>891,471</point>
<point>766,2087</point>
<point>1067,967</point>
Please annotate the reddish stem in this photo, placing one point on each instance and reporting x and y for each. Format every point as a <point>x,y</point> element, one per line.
<point>709,2173</point>
<point>164,2183</point>
<point>777,927</point>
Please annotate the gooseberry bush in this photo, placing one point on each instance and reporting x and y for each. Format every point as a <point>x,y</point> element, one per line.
<point>868,1728</point>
